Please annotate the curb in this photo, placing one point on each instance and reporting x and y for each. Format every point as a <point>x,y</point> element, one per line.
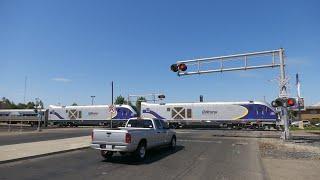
<point>43,155</point>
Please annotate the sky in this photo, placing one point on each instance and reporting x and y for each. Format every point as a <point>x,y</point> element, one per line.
<point>71,50</point>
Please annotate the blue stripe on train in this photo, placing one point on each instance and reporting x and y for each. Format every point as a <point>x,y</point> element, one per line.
<point>152,113</point>
<point>259,111</point>
<point>124,113</point>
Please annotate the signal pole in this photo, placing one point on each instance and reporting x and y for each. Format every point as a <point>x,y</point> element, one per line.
<point>180,67</point>
<point>283,94</point>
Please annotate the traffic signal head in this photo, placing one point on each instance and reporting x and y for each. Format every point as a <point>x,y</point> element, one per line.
<point>283,101</point>
<point>277,103</point>
<point>183,67</point>
<point>178,67</point>
<point>174,68</point>
<point>161,96</point>
<point>291,102</point>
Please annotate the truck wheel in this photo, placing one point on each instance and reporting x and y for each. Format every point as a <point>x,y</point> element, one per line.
<point>173,143</point>
<point>141,151</point>
<point>106,154</point>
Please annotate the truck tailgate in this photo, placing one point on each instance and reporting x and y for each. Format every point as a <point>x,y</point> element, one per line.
<point>102,136</point>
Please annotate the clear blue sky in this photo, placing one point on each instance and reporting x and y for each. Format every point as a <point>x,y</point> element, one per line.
<point>70,50</point>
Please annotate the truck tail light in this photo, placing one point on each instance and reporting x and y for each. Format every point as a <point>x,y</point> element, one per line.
<point>128,138</point>
<point>92,136</point>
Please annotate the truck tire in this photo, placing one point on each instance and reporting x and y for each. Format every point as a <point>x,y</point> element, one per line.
<point>173,143</point>
<point>140,153</point>
<point>106,154</point>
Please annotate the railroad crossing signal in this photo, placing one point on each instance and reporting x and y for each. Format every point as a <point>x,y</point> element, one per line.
<point>281,102</point>
<point>178,67</point>
<point>218,65</point>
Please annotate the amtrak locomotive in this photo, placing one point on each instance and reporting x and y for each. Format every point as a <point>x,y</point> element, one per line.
<point>249,113</point>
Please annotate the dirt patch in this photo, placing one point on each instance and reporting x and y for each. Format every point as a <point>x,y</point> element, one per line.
<point>277,149</point>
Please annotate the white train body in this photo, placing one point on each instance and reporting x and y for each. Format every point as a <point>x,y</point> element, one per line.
<point>230,112</point>
<point>95,114</point>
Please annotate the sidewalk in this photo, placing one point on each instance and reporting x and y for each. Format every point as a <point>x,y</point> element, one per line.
<point>25,150</point>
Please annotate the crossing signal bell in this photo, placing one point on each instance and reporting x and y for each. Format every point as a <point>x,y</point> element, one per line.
<point>279,102</point>
<point>179,67</point>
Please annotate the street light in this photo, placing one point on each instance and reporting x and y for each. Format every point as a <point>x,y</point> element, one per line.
<point>92,99</point>
<point>37,109</point>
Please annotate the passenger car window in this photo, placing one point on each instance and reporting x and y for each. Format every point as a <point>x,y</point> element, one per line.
<point>140,123</point>
<point>158,124</point>
<point>164,124</point>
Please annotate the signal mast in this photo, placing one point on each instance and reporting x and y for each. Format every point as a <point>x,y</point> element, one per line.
<point>181,67</point>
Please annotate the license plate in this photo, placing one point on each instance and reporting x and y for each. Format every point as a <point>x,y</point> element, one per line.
<point>105,146</point>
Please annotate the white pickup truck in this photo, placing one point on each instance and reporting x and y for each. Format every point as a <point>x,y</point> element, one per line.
<point>136,137</point>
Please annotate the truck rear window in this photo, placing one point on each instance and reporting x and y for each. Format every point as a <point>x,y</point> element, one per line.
<point>141,123</point>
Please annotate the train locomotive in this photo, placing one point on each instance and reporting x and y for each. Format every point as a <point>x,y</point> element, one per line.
<point>240,114</point>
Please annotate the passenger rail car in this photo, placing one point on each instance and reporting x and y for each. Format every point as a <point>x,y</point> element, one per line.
<point>89,115</point>
<point>25,116</point>
<point>249,113</point>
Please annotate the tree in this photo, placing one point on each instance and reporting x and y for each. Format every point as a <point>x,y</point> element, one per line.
<point>138,104</point>
<point>7,104</point>
<point>21,106</point>
<point>30,105</point>
<point>120,100</point>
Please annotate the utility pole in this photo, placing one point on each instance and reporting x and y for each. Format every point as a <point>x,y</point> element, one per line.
<point>111,104</point>
<point>25,90</point>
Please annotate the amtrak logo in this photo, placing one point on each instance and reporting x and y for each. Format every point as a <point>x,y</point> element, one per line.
<point>209,112</point>
<point>93,113</point>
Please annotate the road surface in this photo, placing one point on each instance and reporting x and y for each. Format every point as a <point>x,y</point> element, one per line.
<point>7,138</point>
<point>198,156</point>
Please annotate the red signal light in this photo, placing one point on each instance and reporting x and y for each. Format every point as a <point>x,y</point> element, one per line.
<point>291,102</point>
<point>174,68</point>
<point>183,67</point>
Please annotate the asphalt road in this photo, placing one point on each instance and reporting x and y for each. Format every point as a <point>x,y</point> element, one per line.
<point>46,134</point>
<point>199,155</point>
<point>7,138</point>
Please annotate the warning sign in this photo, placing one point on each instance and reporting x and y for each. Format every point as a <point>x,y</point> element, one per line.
<point>112,109</point>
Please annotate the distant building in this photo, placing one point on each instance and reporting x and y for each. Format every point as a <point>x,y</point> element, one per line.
<point>311,113</point>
